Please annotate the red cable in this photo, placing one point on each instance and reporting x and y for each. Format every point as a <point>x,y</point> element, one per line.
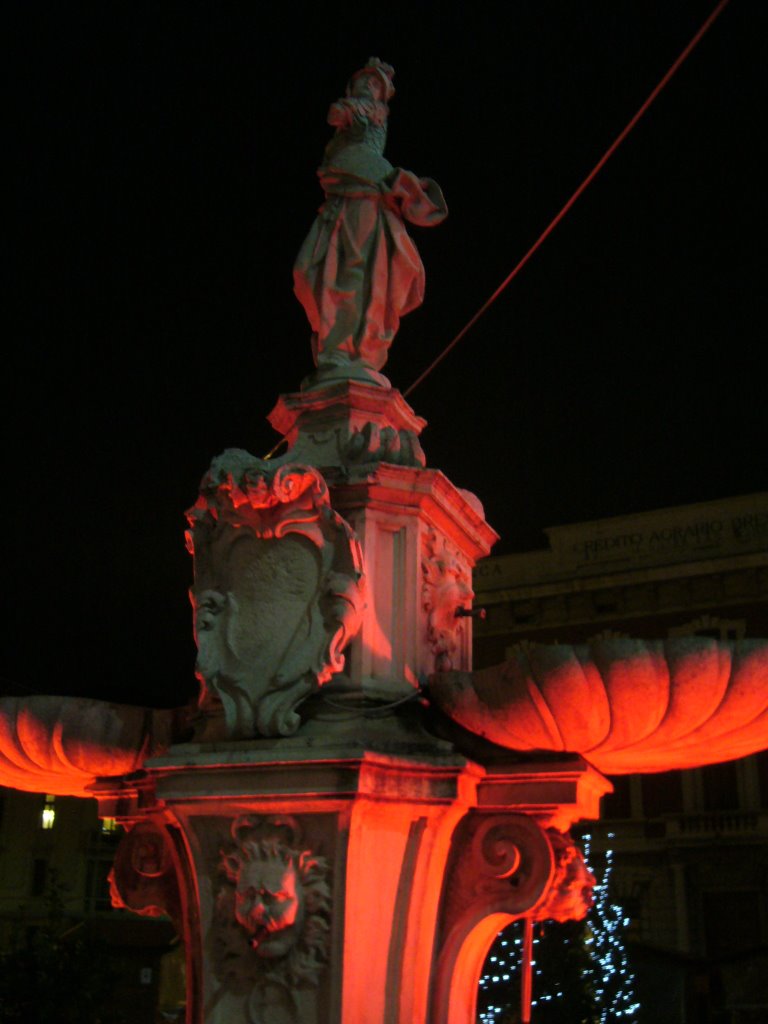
<point>592,174</point>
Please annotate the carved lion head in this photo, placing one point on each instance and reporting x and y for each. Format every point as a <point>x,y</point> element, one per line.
<point>281,897</point>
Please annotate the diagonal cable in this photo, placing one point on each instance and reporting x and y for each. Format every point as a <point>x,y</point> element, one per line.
<point>589,178</point>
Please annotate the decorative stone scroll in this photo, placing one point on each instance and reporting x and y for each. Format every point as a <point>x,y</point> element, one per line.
<point>278,593</point>
<point>500,867</point>
<point>500,864</point>
<point>272,918</point>
<point>143,878</point>
<point>446,590</point>
<point>509,864</point>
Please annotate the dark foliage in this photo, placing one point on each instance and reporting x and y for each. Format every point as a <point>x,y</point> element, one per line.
<point>53,972</point>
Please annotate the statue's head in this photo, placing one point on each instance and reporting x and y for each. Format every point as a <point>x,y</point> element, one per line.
<point>277,887</point>
<point>375,79</point>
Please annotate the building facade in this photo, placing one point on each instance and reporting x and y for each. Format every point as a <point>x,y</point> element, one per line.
<point>55,859</point>
<point>691,848</point>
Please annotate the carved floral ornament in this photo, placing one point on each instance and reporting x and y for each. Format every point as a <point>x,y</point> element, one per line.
<point>278,591</point>
<point>446,588</point>
<point>273,905</point>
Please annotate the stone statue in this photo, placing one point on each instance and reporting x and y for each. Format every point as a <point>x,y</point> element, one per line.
<point>358,270</point>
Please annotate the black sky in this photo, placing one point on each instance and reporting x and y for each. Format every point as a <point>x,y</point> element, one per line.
<point>163,160</point>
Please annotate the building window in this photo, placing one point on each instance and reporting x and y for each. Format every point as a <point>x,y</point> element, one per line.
<point>606,634</point>
<point>97,887</point>
<point>525,613</point>
<point>720,787</point>
<point>762,776</point>
<point>39,877</point>
<point>731,922</point>
<point>48,816</point>
<point>108,826</point>
<point>606,602</point>
<point>662,793</point>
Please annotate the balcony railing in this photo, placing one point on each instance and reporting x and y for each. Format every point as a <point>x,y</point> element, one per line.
<point>735,824</point>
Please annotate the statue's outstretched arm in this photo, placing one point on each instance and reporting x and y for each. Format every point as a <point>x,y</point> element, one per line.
<point>61,745</point>
<point>625,705</point>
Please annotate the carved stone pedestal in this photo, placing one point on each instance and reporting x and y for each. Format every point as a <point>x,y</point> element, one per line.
<point>420,535</point>
<point>322,882</point>
<point>349,425</point>
<point>328,858</point>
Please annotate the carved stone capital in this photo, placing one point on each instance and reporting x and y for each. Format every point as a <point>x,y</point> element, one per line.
<point>278,593</point>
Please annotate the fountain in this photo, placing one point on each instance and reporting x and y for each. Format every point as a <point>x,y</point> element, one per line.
<point>350,814</point>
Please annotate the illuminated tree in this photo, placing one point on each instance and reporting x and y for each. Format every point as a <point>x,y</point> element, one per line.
<point>612,976</point>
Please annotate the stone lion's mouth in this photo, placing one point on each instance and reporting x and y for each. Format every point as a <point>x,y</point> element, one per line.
<point>260,934</point>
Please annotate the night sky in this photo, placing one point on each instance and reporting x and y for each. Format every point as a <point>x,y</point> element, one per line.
<point>163,159</point>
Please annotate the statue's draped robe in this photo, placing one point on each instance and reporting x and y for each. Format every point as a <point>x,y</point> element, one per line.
<point>358,270</point>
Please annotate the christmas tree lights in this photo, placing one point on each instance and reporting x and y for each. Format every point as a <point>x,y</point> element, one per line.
<point>612,976</point>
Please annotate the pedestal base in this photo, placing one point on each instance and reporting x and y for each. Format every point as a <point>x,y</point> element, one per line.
<point>318,879</point>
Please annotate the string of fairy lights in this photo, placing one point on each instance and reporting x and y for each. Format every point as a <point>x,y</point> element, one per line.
<point>605,978</point>
<point>613,977</point>
<point>501,969</point>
